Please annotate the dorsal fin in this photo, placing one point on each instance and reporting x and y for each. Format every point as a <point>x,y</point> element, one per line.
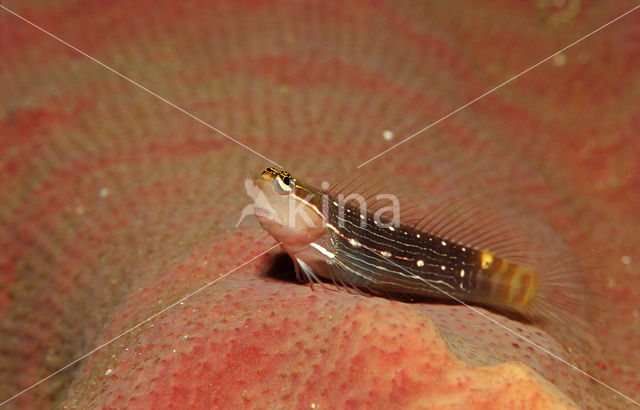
<point>369,188</point>
<point>460,221</point>
<point>475,226</point>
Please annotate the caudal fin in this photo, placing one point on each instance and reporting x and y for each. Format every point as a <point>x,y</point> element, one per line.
<point>566,306</point>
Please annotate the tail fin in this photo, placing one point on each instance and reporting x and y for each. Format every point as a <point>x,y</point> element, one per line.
<point>566,305</point>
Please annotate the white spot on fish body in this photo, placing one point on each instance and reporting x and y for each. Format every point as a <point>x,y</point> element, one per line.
<point>333,228</point>
<point>322,250</point>
<point>420,263</point>
<point>443,267</point>
<point>387,135</point>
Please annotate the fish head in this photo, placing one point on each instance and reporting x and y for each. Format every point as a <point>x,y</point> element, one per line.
<point>288,209</point>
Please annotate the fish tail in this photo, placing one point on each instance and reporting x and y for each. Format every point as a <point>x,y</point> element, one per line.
<point>557,297</point>
<point>541,295</point>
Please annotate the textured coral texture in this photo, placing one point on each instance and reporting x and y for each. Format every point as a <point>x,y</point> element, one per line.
<point>115,205</point>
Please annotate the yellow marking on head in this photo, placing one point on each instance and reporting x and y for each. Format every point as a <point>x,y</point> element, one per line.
<point>486,259</point>
<point>272,173</point>
<point>283,182</point>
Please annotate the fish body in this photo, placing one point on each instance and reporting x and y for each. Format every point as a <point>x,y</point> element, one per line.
<point>452,252</point>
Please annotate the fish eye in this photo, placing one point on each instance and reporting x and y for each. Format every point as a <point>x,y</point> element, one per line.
<point>283,186</point>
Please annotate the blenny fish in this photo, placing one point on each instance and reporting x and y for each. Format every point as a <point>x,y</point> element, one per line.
<point>453,251</point>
